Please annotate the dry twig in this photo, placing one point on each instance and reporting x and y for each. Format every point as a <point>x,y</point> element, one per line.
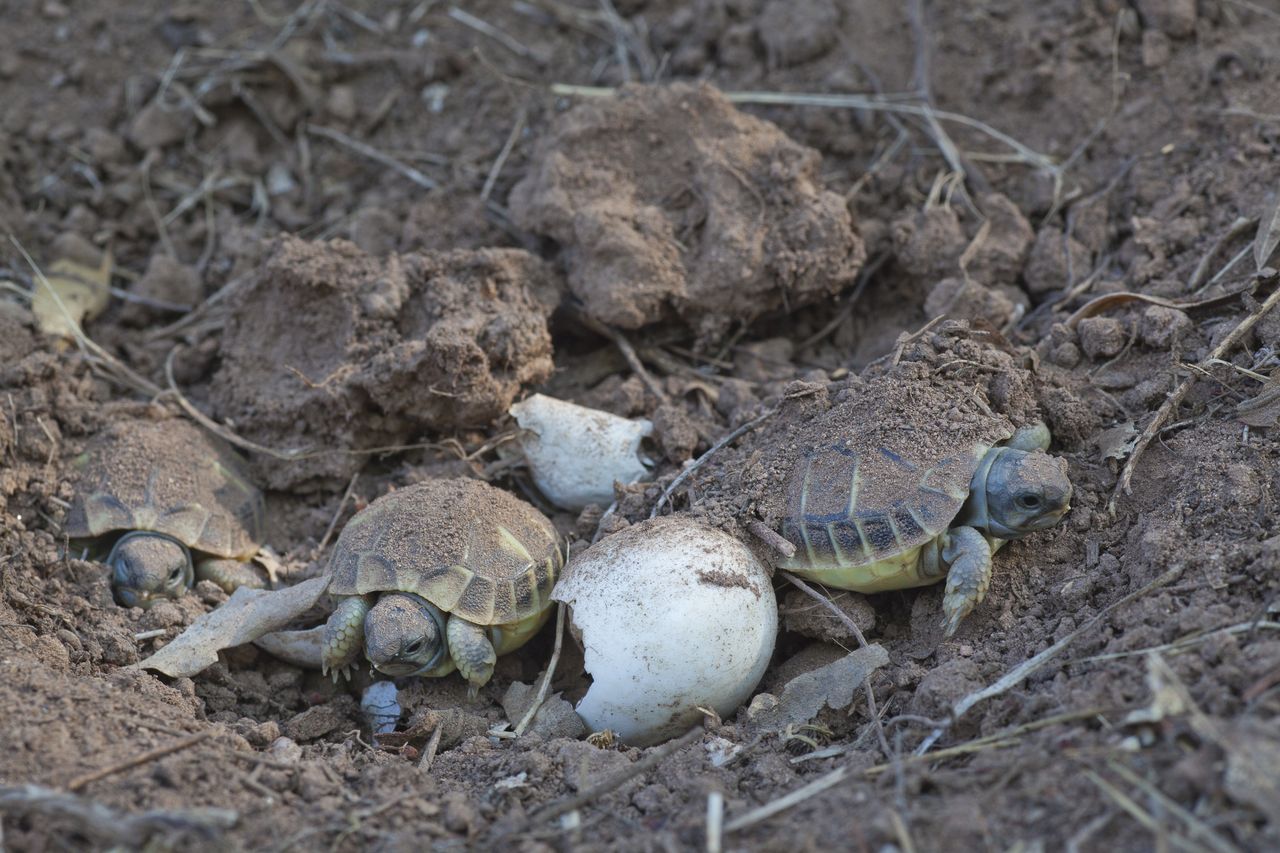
<point>134,761</point>
<point>628,353</point>
<point>771,537</point>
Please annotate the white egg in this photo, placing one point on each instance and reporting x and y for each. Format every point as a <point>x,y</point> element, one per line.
<point>576,453</point>
<point>672,616</point>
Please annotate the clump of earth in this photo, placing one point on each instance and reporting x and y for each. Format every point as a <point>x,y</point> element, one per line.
<point>329,352</point>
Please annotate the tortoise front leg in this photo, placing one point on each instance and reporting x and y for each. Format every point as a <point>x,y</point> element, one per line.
<point>968,554</point>
<point>1031,437</point>
<point>471,651</point>
<point>344,636</point>
<point>231,574</point>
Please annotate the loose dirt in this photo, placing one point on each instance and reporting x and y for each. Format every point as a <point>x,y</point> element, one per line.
<point>358,232</point>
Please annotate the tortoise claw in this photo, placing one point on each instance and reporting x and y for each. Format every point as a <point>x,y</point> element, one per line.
<point>336,672</point>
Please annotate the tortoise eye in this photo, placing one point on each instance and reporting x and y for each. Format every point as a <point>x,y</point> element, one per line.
<point>1028,501</point>
<point>176,574</point>
<point>414,647</point>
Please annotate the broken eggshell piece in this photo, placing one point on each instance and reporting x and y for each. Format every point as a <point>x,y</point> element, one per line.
<point>673,616</point>
<point>576,453</point>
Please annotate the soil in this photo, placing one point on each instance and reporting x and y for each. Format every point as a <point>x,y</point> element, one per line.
<point>354,234</point>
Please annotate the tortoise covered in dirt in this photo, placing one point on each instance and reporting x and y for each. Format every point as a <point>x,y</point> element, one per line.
<point>440,575</point>
<point>172,503</point>
<point>909,498</point>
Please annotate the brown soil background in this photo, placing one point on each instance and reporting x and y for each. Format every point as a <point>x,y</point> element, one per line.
<point>1163,117</point>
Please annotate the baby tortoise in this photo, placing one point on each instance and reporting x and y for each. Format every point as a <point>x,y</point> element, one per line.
<point>870,518</point>
<point>440,575</point>
<point>173,491</point>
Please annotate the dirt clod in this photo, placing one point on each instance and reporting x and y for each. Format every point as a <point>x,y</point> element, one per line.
<point>668,202</point>
<point>1101,337</point>
<point>360,352</point>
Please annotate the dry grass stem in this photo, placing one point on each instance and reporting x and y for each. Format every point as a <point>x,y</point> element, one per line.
<point>1196,827</point>
<point>374,154</point>
<point>496,169</point>
<point>715,822</point>
<point>503,38</point>
<point>799,795</point>
<point>545,686</point>
<point>1022,670</point>
<point>862,641</point>
<point>1108,301</point>
<point>1175,398</point>
<point>136,760</point>
<point>874,103</point>
<point>1242,225</point>
<point>611,783</point>
<point>337,513</point>
<point>702,460</point>
<point>102,361</point>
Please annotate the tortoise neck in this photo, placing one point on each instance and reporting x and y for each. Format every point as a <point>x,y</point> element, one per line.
<point>975,512</point>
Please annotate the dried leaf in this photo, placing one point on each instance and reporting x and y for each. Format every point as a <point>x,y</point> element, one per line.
<point>1117,442</point>
<point>831,686</point>
<point>555,717</point>
<point>1263,409</point>
<point>247,615</point>
<point>74,293</point>
<point>1264,245</point>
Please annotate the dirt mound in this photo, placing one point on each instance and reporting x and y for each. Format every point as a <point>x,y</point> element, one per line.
<point>329,348</point>
<point>667,201</point>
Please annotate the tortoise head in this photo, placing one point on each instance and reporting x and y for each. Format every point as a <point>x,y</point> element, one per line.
<point>404,634</point>
<point>1026,492</point>
<point>148,566</point>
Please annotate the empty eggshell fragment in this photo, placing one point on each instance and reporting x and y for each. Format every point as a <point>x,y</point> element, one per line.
<point>577,453</point>
<point>672,616</point>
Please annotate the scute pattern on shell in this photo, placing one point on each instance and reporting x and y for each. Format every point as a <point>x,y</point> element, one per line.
<point>170,477</point>
<point>833,520</point>
<point>463,545</point>
<point>895,479</point>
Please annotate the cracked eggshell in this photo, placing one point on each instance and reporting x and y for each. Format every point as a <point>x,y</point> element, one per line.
<point>577,453</point>
<point>672,615</point>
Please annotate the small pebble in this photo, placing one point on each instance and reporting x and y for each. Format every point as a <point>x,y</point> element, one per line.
<point>286,750</point>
